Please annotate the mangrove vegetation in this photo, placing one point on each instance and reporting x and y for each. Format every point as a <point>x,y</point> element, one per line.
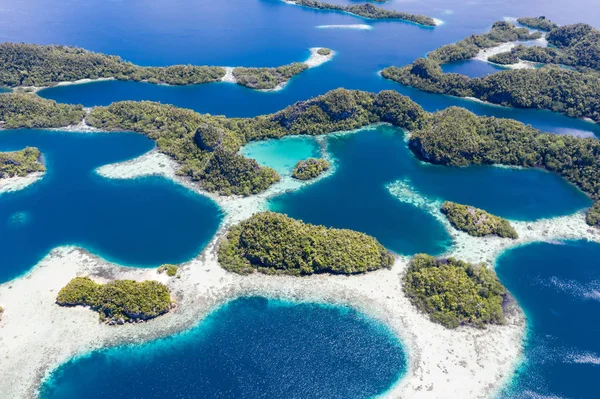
<point>477,222</point>
<point>310,168</point>
<point>273,243</point>
<point>455,293</point>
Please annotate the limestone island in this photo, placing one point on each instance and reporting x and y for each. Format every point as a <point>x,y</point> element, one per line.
<point>310,168</point>
<point>541,23</point>
<point>455,293</point>
<point>31,67</point>
<point>366,11</point>
<point>477,222</point>
<point>18,169</point>
<point>273,243</point>
<point>571,91</point>
<point>201,152</point>
<point>118,301</point>
<point>205,147</point>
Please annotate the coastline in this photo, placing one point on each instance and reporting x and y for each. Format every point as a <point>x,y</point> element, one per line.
<point>315,59</point>
<point>466,362</point>
<point>17,183</point>
<point>41,335</point>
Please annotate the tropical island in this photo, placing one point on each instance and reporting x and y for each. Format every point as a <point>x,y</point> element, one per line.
<point>170,270</point>
<point>207,146</point>
<point>118,301</point>
<point>477,222</point>
<point>310,168</point>
<point>20,163</point>
<point>366,11</point>
<point>541,23</point>
<point>552,87</point>
<point>273,243</point>
<point>455,293</point>
<point>32,66</point>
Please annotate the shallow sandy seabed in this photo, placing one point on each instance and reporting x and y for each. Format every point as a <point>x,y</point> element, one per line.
<point>17,183</point>
<point>37,335</point>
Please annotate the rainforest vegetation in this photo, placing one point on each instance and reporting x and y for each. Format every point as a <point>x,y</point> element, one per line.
<point>455,293</point>
<point>273,243</point>
<point>24,110</point>
<point>541,23</point>
<point>477,222</point>
<point>458,137</point>
<point>207,146</point>
<point>310,168</point>
<point>267,78</point>
<point>368,11</point>
<point>20,163</point>
<point>117,301</point>
<point>501,32</point>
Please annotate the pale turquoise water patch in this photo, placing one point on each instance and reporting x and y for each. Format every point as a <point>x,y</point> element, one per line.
<point>282,154</point>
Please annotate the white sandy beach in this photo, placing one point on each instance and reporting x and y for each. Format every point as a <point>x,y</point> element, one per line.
<point>35,89</point>
<point>37,335</point>
<point>18,183</point>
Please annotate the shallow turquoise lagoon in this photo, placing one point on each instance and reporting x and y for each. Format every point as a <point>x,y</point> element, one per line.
<point>558,286</point>
<point>250,348</point>
<point>283,154</point>
<point>141,222</point>
<point>356,196</point>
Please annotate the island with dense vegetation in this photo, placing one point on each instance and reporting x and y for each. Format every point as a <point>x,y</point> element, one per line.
<point>455,293</point>
<point>207,146</point>
<point>310,168</point>
<point>20,163</point>
<point>273,243</point>
<point>267,78</point>
<point>477,222</point>
<point>30,65</point>
<point>576,46</point>
<point>457,137</point>
<point>324,51</point>
<point>541,23</point>
<point>367,11</point>
<point>552,87</point>
<point>118,301</point>
<point>24,110</point>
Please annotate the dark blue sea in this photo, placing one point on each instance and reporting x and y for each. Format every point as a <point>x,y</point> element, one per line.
<point>255,348</point>
<point>250,348</point>
<point>558,287</point>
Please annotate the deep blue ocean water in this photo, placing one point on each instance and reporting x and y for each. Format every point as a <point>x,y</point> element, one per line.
<point>248,349</point>
<point>558,286</point>
<point>356,197</point>
<point>142,222</point>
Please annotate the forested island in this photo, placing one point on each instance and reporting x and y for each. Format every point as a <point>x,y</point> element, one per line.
<point>541,23</point>
<point>501,32</point>
<point>118,301</point>
<point>455,293</point>
<point>457,137</point>
<point>577,46</point>
<point>22,110</point>
<point>310,168</point>
<point>367,11</point>
<point>273,243</point>
<point>20,163</point>
<point>34,65</point>
<point>552,87</point>
<point>207,146</point>
<point>477,222</point>
<point>267,78</point>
